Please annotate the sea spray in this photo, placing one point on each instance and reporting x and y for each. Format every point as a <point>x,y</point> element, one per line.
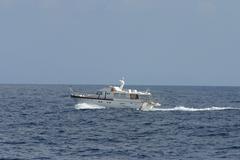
<point>88,106</point>
<point>182,108</point>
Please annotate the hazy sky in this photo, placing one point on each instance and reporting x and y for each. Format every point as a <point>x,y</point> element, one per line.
<point>164,42</point>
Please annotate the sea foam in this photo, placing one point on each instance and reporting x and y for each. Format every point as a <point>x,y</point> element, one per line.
<point>88,106</point>
<point>182,108</point>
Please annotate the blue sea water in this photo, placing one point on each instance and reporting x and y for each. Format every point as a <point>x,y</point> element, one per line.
<point>43,122</point>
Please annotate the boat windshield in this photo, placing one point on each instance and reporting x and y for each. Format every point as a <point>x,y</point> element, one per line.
<point>99,93</point>
<point>134,96</point>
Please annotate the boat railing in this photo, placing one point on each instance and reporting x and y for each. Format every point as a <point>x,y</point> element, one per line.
<point>83,93</point>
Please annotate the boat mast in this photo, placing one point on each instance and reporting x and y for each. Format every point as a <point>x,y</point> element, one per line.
<point>122,82</point>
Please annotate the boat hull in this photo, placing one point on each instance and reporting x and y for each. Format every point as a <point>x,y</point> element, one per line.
<point>109,103</point>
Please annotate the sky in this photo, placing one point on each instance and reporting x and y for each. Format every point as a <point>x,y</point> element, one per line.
<point>149,42</point>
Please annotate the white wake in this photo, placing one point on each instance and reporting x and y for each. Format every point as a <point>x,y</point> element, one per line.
<point>88,106</point>
<point>182,108</point>
<point>178,108</point>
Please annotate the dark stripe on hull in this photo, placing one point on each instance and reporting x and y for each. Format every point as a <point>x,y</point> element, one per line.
<point>81,97</point>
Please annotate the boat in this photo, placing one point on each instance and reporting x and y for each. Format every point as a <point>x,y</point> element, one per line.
<point>117,97</point>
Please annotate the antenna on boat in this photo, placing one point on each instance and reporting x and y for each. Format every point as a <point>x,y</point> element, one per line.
<point>71,91</point>
<point>122,82</point>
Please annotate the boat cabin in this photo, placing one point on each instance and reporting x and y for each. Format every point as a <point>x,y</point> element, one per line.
<point>113,92</point>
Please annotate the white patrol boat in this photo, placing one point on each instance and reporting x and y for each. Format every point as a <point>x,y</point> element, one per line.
<point>117,97</point>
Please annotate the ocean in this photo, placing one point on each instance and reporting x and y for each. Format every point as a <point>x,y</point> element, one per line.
<point>42,122</point>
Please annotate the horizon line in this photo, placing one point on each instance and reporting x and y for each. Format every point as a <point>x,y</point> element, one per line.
<point>177,85</point>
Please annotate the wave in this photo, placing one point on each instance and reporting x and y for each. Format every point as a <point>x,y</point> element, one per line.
<point>178,108</point>
<point>88,106</point>
<point>182,108</point>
